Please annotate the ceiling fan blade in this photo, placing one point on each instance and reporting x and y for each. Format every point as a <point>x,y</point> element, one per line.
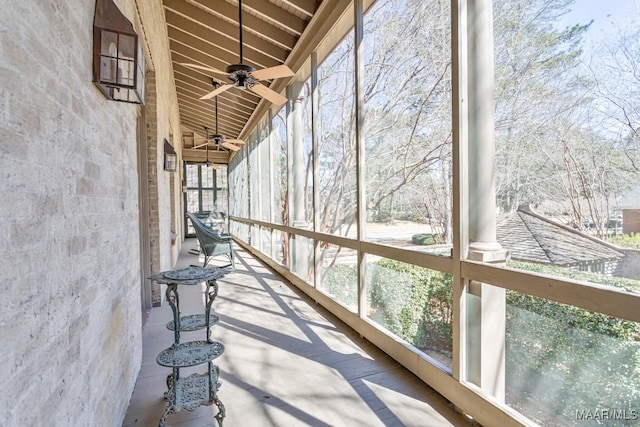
<point>230,146</point>
<point>235,141</point>
<point>203,67</point>
<point>201,145</point>
<point>272,73</point>
<point>268,94</point>
<point>217,91</point>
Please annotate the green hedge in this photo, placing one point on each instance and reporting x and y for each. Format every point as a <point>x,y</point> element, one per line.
<point>562,359</point>
<point>425,239</point>
<point>631,240</point>
<point>559,359</point>
<point>413,302</point>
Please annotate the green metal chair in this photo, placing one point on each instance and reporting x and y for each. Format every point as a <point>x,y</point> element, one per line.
<point>212,244</point>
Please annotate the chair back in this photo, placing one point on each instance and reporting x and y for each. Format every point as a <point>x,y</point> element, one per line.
<point>211,243</point>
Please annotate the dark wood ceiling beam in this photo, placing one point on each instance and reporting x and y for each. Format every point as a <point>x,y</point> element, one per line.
<point>251,97</point>
<point>226,29</point>
<point>206,118</point>
<point>196,124</point>
<point>200,30</point>
<point>217,41</point>
<point>209,49</point>
<point>193,56</point>
<point>328,13</point>
<point>196,78</point>
<point>223,114</point>
<point>276,15</point>
<point>193,92</point>
<point>223,104</point>
<point>308,7</point>
<point>250,23</point>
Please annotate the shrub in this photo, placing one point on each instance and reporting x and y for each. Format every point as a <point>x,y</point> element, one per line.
<point>341,282</point>
<point>406,216</point>
<point>631,240</point>
<point>425,239</point>
<point>413,302</point>
<point>561,358</point>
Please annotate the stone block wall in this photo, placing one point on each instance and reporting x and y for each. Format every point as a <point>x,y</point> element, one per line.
<point>70,325</point>
<point>163,122</point>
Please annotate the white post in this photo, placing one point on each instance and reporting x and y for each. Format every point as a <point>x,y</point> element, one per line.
<point>297,165</point>
<point>486,312</point>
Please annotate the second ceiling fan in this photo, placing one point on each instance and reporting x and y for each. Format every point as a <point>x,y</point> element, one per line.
<point>219,139</point>
<point>245,76</point>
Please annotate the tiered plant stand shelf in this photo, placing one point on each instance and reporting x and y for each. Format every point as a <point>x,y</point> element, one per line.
<point>197,389</point>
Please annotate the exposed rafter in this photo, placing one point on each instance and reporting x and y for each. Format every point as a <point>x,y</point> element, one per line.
<point>206,34</point>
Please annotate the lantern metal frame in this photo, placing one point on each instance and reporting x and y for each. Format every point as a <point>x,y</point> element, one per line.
<point>118,59</point>
<point>170,157</point>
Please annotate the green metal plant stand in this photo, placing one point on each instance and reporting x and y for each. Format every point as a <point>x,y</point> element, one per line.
<point>197,389</point>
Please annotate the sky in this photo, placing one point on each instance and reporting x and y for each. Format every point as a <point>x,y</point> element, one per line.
<point>608,15</point>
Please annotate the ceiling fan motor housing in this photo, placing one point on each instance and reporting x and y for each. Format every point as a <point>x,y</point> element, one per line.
<point>234,68</point>
<point>241,75</point>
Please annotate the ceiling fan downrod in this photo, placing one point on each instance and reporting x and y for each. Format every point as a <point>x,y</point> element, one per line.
<point>240,27</point>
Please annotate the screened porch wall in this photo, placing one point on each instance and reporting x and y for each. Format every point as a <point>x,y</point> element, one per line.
<point>300,200</point>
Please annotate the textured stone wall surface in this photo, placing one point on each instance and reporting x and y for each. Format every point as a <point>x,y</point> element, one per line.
<point>70,323</point>
<point>163,122</point>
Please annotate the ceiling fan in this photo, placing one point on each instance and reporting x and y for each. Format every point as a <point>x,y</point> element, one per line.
<point>218,138</point>
<point>209,164</point>
<point>245,76</point>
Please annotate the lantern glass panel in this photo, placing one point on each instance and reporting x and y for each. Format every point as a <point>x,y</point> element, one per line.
<point>108,55</point>
<point>127,47</point>
<point>109,44</point>
<point>126,72</point>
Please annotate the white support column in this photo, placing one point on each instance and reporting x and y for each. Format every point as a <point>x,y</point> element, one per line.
<point>315,141</point>
<point>361,210</point>
<point>460,182</point>
<point>297,165</point>
<point>487,307</point>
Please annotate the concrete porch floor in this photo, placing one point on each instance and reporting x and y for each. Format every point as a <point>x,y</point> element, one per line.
<point>287,362</point>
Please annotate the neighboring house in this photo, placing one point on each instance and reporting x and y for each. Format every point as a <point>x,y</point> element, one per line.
<point>630,206</point>
<point>530,237</point>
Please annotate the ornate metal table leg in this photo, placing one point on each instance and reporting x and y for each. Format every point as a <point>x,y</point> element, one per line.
<point>172,299</point>
<point>214,386</point>
<point>168,411</point>
<point>220,415</point>
<point>210,295</point>
<point>169,385</point>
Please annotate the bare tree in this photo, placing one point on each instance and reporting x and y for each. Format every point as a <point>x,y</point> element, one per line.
<point>535,79</point>
<point>407,112</point>
<point>615,69</point>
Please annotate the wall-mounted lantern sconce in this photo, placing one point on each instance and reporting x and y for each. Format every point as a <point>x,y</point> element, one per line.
<point>170,157</point>
<point>118,59</point>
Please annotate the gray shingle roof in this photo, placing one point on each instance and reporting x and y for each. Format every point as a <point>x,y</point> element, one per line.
<point>531,237</point>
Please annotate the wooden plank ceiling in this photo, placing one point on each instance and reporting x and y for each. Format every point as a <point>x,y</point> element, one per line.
<point>206,33</point>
